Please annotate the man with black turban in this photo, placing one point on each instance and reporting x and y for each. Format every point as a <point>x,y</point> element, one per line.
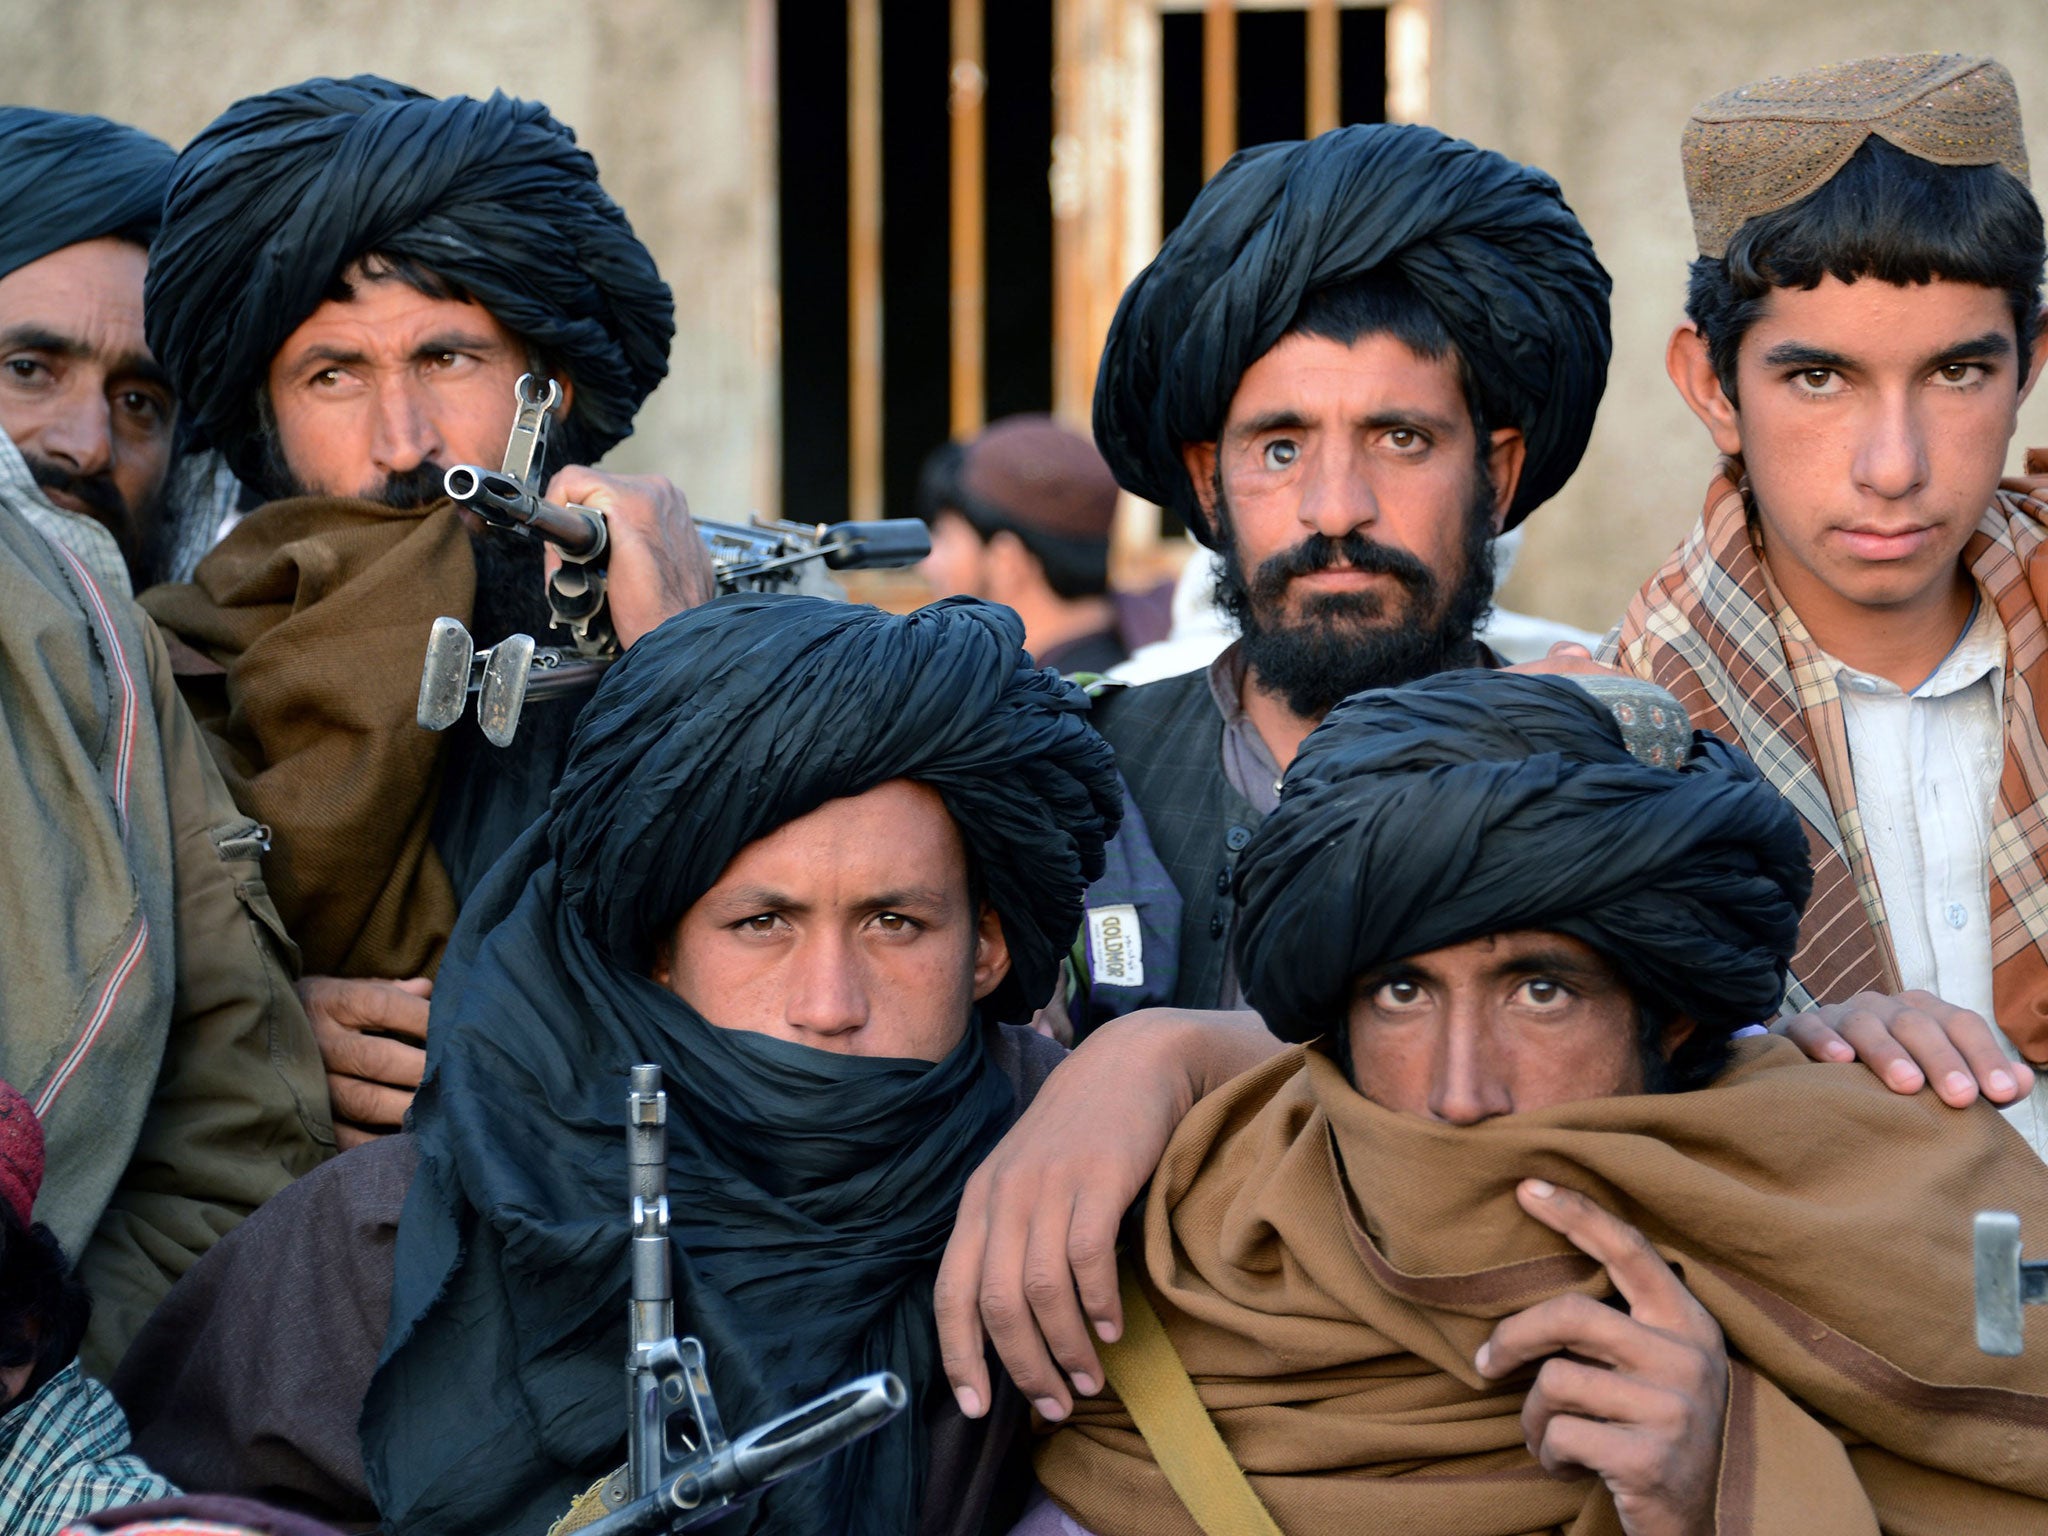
<point>350,279</point>
<point>146,993</point>
<point>1516,1241</point>
<point>805,855</point>
<point>86,414</point>
<point>1355,362</point>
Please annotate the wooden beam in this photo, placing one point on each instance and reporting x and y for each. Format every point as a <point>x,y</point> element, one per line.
<point>968,309</point>
<point>864,255</point>
<point>1325,58</point>
<point>1219,85</point>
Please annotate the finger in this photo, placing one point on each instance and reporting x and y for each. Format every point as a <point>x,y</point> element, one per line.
<point>1813,1035</point>
<point>1571,648</point>
<point>1934,1053</point>
<point>1582,1326</point>
<point>1571,1447</point>
<point>1654,1294</point>
<point>1055,1305</point>
<point>418,986</point>
<point>348,1137</point>
<point>1984,1058</point>
<point>368,1104</point>
<point>379,1005</point>
<point>1006,1315</point>
<point>1091,1250</point>
<point>1870,1037</point>
<point>956,1306</point>
<point>1592,1392</point>
<point>373,1058</point>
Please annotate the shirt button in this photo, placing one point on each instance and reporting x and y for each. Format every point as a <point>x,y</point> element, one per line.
<point>1863,684</point>
<point>1957,916</point>
<point>1236,838</point>
<point>1215,927</point>
<point>1222,882</point>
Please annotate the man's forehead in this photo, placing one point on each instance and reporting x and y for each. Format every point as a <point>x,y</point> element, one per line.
<point>1375,375</point>
<point>1876,322</point>
<point>1518,949</point>
<point>387,317</point>
<point>85,299</point>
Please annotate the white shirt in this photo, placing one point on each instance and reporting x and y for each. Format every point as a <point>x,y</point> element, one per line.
<point>1926,765</point>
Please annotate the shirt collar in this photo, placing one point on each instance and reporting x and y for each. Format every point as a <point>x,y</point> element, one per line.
<point>1979,652</point>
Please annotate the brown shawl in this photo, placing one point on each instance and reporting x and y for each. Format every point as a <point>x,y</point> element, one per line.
<point>1712,628</point>
<point>1327,1269</point>
<point>310,621</point>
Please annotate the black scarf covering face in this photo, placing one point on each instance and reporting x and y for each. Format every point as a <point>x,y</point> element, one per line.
<point>1481,802</point>
<point>66,178</point>
<point>810,1193</point>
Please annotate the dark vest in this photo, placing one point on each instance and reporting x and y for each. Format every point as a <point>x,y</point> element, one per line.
<point>1168,737</point>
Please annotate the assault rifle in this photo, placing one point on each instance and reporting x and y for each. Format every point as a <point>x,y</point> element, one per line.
<point>2006,1284</point>
<point>681,1471</point>
<point>759,556</point>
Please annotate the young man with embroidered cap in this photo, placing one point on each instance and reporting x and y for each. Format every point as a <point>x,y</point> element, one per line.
<point>1860,605</point>
<point>1522,1242</point>
<point>350,279</point>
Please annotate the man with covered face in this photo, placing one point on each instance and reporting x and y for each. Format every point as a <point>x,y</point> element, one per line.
<point>1479,1258</point>
<point>1355,362</point>
<point>350,280</point>
<point>803,855</point>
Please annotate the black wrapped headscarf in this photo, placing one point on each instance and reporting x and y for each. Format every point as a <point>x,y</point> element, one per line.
<point>283,191</point>
<point>1474,803</point>
<point>811,1192</point>
<point>1488,244</point>
<point>65,178</point>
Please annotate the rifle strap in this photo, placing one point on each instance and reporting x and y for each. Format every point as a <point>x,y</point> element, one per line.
<point>1148,1375</point>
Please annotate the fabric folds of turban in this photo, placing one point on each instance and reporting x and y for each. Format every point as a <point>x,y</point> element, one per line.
<point>1474,803</point>
<point>284,191</point>
<point>65,178</point>
<point>812,1191</point>
<point>1489,244</point>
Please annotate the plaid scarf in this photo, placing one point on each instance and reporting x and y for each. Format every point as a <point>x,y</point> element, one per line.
<point>1712,627</point>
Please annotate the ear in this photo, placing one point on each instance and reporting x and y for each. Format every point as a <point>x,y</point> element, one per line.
<point>1676,1033</point>
<point>568,395</point>
<point>1506,456</point>
<point>1199,459</point>
<point>2037,355</point>
<point>991,953</point>
<point>1692,369</point>
<point>662,972</point>
<point>12,1379</point>
<point>1010,566</point>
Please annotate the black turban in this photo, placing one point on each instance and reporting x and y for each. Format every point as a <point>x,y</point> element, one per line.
<point>66,178</point>
<point>282,192</point>
<point>1488,244</point>
<point>812,1192</point>
<point>1474,803</point>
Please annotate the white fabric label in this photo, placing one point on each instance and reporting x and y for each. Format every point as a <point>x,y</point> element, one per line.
<point>1116,945</point>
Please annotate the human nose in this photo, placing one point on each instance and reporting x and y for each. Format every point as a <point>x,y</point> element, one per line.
<point>81,436</point>
<point>1337,496</point>
<point>1891,455</point>
<point>1467,1085</point>
<point>827,993</point>
<point>405,434</point>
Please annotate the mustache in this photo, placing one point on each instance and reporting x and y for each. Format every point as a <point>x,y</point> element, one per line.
<point>1354,551</point>
<point>97,491</point>
<point>413,488</point>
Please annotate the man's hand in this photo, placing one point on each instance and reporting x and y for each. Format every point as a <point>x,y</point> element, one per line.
<point>1910,1041</point>
<point>1636,1397</point>
<point>1033,1252</point>
<point>1568,656</point>
<point>371,1074</point>
<point>659,564</point>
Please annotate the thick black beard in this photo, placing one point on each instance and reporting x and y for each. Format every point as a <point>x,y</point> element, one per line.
<point>511,592</point>
<point>137,530</point>
<point>1346,642</point>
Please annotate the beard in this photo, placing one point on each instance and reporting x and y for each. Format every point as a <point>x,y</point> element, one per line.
<point>135,529</point>
<point>511,591</point>
<point>1341,643</point>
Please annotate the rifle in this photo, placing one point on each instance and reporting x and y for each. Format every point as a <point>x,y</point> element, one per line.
<point>757,556</point>
<point>681,1471</point>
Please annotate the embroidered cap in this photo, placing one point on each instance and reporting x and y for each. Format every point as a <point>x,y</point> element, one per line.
<point>1764,146</point>
<point>21,1153</point>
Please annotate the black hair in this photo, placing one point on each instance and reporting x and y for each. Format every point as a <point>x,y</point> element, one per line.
<point>1887,215</point>
<point>1074,568</point>
<point>1385,303</point>
<point>44,1306</point>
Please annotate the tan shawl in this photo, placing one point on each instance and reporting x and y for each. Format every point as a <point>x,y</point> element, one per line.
<point>1712,628</point>
<point>1327,1269</point>
<point>310,621</point>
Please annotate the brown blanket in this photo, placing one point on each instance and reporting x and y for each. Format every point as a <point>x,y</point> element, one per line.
<point>312,619</point>
<point>1327,1269</point>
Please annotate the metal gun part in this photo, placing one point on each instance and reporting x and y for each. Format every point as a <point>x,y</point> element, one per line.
<point>2006,1284</point>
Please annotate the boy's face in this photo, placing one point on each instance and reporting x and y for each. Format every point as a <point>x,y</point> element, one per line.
<point>1873,422</point>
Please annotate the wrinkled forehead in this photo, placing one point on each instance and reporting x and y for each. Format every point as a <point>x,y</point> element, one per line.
<point>84,300</point>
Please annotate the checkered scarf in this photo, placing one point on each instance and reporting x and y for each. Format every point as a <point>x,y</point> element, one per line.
<point>1712,627</point>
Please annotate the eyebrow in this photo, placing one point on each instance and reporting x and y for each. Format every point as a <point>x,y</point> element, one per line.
<point>763,898</point>
<point>433,346</point>
<point>1799,354</point>
<point>39,338</point>
<point>1379,421</point>
<point>1551,962</point>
